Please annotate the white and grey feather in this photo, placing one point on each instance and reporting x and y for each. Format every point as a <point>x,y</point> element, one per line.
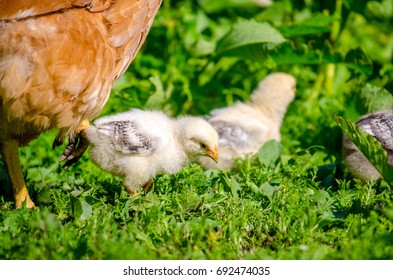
<point>244,126</point>
<point>125,137</point>
<point>231,135</point>
<point>380,126</point>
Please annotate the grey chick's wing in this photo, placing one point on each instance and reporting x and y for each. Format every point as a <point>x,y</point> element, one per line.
<point>230,135</point>
<point>125,137</point>
<point>380,125</point>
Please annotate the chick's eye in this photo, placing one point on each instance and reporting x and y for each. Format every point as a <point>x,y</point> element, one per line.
<point>203,146</point>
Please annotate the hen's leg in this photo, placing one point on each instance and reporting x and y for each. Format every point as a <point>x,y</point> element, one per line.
<point>76,147</point>
<point>9,152</point>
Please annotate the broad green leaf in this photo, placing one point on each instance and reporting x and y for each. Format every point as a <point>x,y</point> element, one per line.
<point>141,236</point>
<point>249,39</point>
<point>388,211</point>
<point>355,5</point>
<point>51,222</point>
<point>289,55</point>
<point>254,188</point>
<point>358,61</point>
<point>219,5</point>
<point>161,96</point>
<point>372,98</point>
<point>383,9</point>
<point>321,196</point>
<point>270,153</point>
<point>316,24</point>
<point>232,184</point>
<point>268,190</point>
<point>235,187</point>
<point>369,146</point>
<point>355,59</point>
<point>328,219</point>
<point>275,12</point>
<point>80,208</point>
<point>326,174</point>
<point>317,158</point>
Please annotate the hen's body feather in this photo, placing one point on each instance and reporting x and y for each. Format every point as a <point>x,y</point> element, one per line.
<point>59,59</point>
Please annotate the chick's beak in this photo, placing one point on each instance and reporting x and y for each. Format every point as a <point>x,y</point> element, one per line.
<point>213,154</point>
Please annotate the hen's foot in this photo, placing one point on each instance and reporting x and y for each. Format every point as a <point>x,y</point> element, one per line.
<point>21,197</point>
<point>75,148</point>
<point>9,152</point>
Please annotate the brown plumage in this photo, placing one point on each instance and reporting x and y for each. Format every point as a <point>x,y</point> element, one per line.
<point>58,61</point>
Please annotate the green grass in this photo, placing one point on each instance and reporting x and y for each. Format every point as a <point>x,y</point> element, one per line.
<point>294,210</point>
<point>302,204</point>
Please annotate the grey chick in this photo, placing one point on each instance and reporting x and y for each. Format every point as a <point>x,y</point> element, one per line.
<point>245,126</point>
<point>380,126</point>
<point>137,145</point>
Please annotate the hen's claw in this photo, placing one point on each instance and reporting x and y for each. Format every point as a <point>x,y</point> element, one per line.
<point>68,150</point>
<point>76,147</point>
<point>57,143</point>
<point>74,151</point>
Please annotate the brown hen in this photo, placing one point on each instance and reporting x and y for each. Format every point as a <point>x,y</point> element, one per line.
<point>58,61</point>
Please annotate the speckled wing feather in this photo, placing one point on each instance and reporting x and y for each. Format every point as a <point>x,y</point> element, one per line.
<point>380,125</point>
<point>124,137</point>
<point>230,135</point>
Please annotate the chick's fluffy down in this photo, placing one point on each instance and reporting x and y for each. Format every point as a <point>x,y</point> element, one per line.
<point>137,145</point>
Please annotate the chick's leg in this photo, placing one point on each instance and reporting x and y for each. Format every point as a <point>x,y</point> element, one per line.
<point>132,189</point>
<point>76,147</point>
<point>9,152</point>
<point>146,186</point>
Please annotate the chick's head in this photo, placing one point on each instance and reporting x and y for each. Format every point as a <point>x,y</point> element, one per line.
<point>198,137</point>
